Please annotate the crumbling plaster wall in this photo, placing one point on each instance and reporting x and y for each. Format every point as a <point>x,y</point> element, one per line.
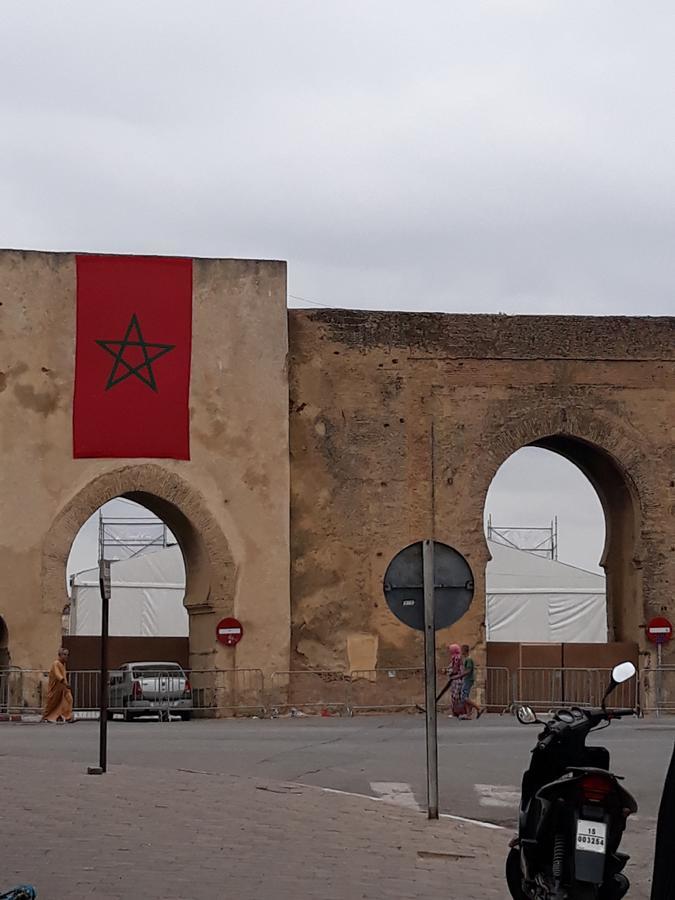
<point>398,424</point>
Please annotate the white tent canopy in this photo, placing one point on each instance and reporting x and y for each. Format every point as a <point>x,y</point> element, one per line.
<point>531,599</point>
<point>147,597</point>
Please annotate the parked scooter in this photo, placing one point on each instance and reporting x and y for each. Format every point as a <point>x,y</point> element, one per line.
<point>573,810</point>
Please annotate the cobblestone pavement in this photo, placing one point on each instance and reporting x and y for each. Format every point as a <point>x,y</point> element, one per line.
<point>152,830</point>
<point>162,834</point>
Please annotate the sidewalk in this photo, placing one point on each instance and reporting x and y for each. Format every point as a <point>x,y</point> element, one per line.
<point>167,834</point>
<point>157,834</point>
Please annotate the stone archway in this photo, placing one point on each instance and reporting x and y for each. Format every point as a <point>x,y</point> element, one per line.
<point>606,455</point>
<point>209,567</point>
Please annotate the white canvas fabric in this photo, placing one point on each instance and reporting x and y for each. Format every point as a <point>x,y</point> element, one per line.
<point>147,597</point>
<point>530,599</point>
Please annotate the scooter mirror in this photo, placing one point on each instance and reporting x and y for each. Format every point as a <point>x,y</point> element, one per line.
<point>623,672</point>
<point>525,715</point>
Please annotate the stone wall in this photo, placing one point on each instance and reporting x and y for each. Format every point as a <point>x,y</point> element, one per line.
<point>228,505</point>
<point>400,421</point>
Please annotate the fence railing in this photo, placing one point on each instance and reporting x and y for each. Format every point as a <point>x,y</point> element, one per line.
<point>304,690</point>
<point>227,690</point>
<point>372,690</point>
<point>395,689</point>
<point>24,692</point>
<point>545,688</point>
<point>657,686</point>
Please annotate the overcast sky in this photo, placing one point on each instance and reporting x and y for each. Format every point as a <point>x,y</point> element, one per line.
<point>512,156</point>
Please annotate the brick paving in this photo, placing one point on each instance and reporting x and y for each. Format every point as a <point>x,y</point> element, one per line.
<point>162,834</point>
<point>177,835</point>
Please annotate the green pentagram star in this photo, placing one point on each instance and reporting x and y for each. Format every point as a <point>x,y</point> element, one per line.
<point>133,338</point>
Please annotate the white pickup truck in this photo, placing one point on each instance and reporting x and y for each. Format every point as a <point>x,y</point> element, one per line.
<point>149,689</point>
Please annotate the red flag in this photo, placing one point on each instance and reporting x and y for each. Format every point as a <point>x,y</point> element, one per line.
<point>132,357</point>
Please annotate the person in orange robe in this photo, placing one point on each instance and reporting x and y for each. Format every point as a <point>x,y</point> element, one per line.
<point>59,705</point>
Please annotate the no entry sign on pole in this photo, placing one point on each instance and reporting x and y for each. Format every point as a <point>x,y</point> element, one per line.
<point>229,631</point>
<point>659,630</point>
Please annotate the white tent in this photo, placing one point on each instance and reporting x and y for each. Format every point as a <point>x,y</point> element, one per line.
<point>147,597</point>
<point>531,599</point>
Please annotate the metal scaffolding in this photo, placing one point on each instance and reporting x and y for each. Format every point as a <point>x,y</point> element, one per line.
<point>541,541</point>
<point>125,537</point>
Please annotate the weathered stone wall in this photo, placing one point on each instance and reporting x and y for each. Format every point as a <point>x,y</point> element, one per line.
<point>399,423</point>
<point>228,506</point>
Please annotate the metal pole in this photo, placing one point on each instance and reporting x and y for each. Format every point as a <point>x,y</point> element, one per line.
<point>104,585</point>
<point>659,677</point>
<point>103,688</point>
<point>430,678</point>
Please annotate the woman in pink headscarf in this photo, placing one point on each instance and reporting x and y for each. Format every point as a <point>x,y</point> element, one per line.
<point>456,679</point>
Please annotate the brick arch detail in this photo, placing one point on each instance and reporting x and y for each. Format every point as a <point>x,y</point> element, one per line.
<point>209,566</point>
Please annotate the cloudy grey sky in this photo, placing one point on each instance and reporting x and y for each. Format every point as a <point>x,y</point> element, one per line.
<point>491,155</point>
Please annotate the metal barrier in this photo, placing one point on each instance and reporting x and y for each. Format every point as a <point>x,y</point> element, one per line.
<point>658,689</point>
<point>386,689</point>
<point>498,696</point>
<point>307,689</point>
<point>227,690</point>
<point>395,689</point>
<point>545,688</point>
<point>9,689</point>
<point>23,692</point>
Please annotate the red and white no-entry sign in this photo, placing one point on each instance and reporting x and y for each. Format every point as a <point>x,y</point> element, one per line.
<point>659,630</point>
<point>229,631</point>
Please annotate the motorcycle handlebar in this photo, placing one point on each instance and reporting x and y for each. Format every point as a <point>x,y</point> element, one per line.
<point>546,740</point>
<point>554,730</point>
<point>620,713</point>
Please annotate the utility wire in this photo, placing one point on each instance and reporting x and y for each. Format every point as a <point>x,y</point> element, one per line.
<point>326,305</point>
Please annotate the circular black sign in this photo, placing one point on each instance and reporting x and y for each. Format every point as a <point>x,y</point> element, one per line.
<point>404,585</point>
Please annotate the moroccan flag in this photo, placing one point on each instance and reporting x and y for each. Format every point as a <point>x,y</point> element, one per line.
<point>132,357</point>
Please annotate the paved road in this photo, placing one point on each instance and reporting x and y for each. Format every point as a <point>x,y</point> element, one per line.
<point>480,762</point>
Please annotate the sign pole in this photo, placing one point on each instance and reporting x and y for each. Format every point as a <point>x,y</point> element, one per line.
<point>659,676</point>
<point>430,678</point>
<point>659,631</point>
<point>104,585</point>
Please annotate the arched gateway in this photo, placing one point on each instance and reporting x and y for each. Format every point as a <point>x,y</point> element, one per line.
<point>397,425</point>
<point>227,504</point>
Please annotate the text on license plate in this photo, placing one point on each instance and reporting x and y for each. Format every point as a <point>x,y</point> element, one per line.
<point>591,836</point>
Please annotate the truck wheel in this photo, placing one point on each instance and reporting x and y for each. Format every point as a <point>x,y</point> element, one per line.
<point>186,716</point>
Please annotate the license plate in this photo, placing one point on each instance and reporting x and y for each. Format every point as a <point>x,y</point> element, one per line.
<point>591,836</point>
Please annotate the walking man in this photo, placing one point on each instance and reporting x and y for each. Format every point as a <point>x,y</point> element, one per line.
<point>59,705</point>
<point>467,685</point>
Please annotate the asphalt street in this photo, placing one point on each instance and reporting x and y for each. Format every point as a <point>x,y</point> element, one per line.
<point>480,762</point>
